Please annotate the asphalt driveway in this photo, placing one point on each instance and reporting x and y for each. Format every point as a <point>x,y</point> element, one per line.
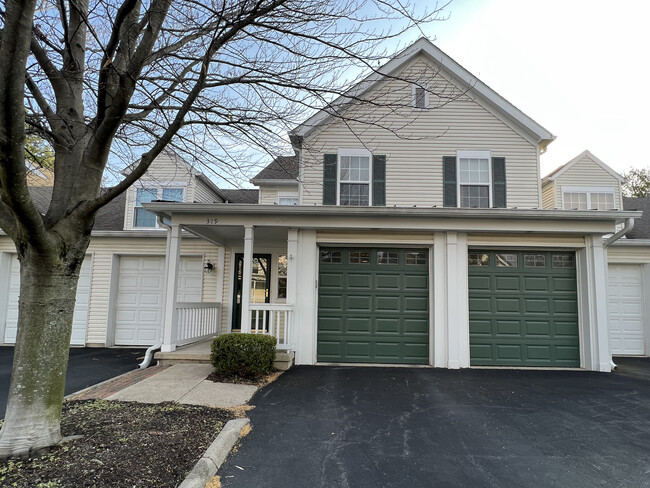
<point>408,427</point>
<point>87,366</point>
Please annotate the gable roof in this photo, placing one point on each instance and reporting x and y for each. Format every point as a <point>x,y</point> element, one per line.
<point>556,173</point>
<point>109,217</point>
<point>484,94</point>
<point>241,196</point>
<point>281,168</point>
<point>641,229</point>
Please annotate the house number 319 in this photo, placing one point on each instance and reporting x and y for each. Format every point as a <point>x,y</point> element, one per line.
<point>212,220</point>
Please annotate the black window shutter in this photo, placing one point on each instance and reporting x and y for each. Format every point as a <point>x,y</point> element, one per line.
<point>379,180</point>
<point>449,181</point>
<point>499,182</point>
<point>329,179</point>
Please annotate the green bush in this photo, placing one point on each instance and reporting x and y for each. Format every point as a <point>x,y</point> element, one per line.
<point>243,354</point>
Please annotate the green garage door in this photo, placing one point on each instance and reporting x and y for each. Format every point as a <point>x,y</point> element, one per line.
<point>523,309</point>
<point>373,306</point>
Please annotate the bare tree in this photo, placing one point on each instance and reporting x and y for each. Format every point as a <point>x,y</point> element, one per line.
<point>110,83</point>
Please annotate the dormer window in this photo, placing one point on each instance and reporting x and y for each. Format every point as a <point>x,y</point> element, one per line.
<point>588,198</point>
<point>144,219</point>
<point>420,96</point>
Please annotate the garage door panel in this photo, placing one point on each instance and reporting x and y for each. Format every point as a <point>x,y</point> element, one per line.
<point>380,308</point>
<point>508,327</point>
<point>508,305</point>
<point>358,281</point>
<point>416,326</point>
<point>480,283</point>
<point>414,282</point>
<point>564,284</point>
<point>507,283</point>
<point>388,283</point>
<point>525,314</point>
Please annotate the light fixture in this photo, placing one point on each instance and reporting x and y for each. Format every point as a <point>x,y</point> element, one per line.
<point>208,267</point>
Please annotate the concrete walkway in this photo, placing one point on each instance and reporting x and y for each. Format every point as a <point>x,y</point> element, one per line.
<point>182,383</point>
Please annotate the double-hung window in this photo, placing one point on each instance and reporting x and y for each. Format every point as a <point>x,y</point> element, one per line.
<point>354,177</point>
<point>474,179</point>
<point>588,198</point>
<point>288,199</point>
<point>145,219</point>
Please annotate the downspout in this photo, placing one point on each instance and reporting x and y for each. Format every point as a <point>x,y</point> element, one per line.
<point>161,223</point>
<point>629,223</point>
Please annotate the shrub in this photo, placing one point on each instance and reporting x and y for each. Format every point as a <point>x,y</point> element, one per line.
<point>243,354</point>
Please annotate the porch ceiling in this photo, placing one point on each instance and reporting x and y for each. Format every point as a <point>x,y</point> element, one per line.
<point>233,235</point>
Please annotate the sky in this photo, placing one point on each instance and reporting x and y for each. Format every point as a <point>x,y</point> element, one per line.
<point>577,67</point>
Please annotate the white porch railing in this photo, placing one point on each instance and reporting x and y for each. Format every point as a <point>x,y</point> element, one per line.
<point>196,321</point>
<point>273,319</point>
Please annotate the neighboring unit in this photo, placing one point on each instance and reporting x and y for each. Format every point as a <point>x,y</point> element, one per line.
<point>586,183</point>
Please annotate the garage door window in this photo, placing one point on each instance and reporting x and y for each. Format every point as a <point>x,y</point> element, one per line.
<point>332,257</point>
<point>564,261</point>
<point>387,257</point>
<point>362,257</point>
<point>416,257</point>
<point>535,260</point>
<point>506,260</point>
<point>478,259</point>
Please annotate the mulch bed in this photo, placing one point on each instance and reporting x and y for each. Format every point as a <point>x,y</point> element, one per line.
<point>255,380</point>
<point>124,445</point>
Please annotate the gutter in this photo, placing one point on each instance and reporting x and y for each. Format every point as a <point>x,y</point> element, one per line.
<point>629,223</point>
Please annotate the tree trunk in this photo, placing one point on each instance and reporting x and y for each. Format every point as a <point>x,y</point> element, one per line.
<point>48,286</point>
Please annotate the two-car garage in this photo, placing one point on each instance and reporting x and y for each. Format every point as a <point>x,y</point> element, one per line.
<point>374,307</point>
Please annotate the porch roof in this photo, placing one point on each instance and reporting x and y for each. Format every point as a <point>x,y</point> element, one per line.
<point>224,223</point>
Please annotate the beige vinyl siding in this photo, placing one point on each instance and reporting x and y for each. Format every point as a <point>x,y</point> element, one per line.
<point>414,167</point>
<point>203,193</point>
<point>269,193</point>
<point>626,254</point>
<point>103,251</point>
<point>548,196</point>
<point>587,173</point>
<point>164,171</point>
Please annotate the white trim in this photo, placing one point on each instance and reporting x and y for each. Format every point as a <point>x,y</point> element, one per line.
<point>342,151</point>
<point>476,155</point>
<point>563,169</point>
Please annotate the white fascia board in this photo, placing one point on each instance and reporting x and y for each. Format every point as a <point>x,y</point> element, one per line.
<point>197,212</point>
<point>423,45</point>
<point>287,182</point>
<point>586,153</point>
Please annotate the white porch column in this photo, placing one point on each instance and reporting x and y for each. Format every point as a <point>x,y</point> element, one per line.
<point>457,301</point>
<point>247,280</point>
<point>438,270</point>
<point>292,279</point>
<point>172,263</point>
<point>593,284</point>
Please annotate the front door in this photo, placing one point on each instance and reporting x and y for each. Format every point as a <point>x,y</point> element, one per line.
<point>260,284</point>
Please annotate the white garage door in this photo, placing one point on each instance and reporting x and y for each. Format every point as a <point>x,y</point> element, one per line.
<point>80,318</point>
<point>626,309</point>
<point>140,291</point>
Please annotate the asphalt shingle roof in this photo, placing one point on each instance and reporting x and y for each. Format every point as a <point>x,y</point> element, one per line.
<point>282,168</point>
<point>109,217</point>
<point>641,229</point>
<point>241,196</point>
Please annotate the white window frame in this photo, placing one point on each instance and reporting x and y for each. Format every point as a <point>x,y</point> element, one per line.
<point>159,193</point>
<point>478,155</point>
<point>415,86</point>
<point>588,190</point>
<point>289,195</point>
<point>353,152</point>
